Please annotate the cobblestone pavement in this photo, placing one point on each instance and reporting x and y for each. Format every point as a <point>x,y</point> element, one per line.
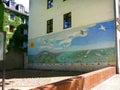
<point>27,79</point>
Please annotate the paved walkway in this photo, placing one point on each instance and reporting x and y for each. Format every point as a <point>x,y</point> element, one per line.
<point>112,83</point>
<point>28,79</point>
<point>20,82</point>
<point>29,83</point>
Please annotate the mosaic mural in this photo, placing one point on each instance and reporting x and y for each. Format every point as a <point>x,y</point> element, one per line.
<point>89,44</point>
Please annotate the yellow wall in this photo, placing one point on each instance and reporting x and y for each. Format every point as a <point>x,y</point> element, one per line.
<point>84,12</point>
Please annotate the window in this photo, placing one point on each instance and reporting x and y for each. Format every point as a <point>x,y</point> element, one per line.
<point>12,4</point>
<point>24,45</point>
<point>50,26</point>
<point>22,20</point>
<point>27,21</point>
<point>67,20</point>
<point>49,3</point>
<point>11,28</point>
<point>11,42</point>
<point>11,16</point>
<point>24,31</point>
<point>20,8</point>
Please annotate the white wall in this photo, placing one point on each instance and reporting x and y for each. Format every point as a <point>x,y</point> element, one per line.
<point>84,12</point>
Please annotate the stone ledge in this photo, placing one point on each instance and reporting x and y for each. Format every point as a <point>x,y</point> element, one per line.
<point>82,82</point>
<point>96,77</point>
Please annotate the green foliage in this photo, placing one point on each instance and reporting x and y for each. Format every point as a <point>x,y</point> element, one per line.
<point>16,36</point>
<point>1,15</point>
<point>14,23</point>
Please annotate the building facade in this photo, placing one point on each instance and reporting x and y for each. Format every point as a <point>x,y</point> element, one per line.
<point>15,23</point>
<point>71,34</point>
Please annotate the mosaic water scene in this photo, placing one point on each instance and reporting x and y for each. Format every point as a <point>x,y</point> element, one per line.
<point>89,44</point>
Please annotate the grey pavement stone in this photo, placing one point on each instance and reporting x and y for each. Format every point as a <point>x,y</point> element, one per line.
<point>28,79</point>
<point>112,83</point>
<point>29,83</point>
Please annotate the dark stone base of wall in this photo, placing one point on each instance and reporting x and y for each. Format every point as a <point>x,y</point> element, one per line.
<point>14,60</point>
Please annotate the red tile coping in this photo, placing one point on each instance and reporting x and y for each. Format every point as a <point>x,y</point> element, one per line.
<point>96,77</point>
<point>82,82</point>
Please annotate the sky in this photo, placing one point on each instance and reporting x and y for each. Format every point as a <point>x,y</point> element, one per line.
<point>23,2</point>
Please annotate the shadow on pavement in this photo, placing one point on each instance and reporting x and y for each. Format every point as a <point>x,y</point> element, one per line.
<point>38,73</point>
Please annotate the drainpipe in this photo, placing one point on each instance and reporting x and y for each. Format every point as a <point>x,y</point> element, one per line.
<point>117,34</point>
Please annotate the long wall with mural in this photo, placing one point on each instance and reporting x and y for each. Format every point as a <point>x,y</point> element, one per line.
<point>87,45</point>
<point>83,48</point>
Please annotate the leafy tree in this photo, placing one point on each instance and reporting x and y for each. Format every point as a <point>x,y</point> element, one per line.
<point>1,14</point>
<point>19,37</point>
